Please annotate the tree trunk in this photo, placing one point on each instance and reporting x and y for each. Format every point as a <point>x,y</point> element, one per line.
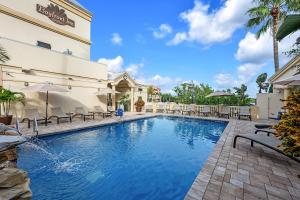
<point>275,14</point>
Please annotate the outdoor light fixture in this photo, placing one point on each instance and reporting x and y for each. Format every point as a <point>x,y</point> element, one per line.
<point>27,71</point>
<point>70,87</point>
<point>26,84</point>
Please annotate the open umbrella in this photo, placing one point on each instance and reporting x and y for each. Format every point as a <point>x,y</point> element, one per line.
<point>294,80</point>
<point>45,88</point>
<point>219,94</point>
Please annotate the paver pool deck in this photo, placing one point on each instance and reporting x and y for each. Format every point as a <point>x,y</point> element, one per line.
<point>242,173</point>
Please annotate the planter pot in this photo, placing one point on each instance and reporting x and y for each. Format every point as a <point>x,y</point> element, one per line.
<point>6,119</point>
<point>138,109</point>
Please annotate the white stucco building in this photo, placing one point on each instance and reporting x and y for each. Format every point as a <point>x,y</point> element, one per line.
<point>50,41</point>
<point>269,104</point>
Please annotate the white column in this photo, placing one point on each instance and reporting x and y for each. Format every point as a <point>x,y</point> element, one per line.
<point>132,99</point>
<point>113,97</point>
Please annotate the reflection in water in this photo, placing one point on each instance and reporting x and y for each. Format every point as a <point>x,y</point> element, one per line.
<point>190,130</point>
<point>154,158</point>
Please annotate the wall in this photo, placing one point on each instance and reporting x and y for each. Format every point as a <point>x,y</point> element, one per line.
<point>43,65</point>
<point>26,31</point>
<point>268,105</point>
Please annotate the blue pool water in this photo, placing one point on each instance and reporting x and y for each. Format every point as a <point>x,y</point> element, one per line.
<point>154,158</point>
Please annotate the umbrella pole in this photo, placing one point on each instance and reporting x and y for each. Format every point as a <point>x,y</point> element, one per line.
<point>46,120</point>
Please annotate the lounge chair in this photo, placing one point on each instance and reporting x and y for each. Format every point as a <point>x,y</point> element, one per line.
<point>266,140</point>
<point>79,111</point>
<point>31,114</point>
<point>149,108</point>
<point>187,109</point>
<point>172,109</point>
<point>160,108</point>
<point>98,110</point>
<point>205,111</point>
<point>225,112</point>
<point>59,114</point>
<point>244,112</point>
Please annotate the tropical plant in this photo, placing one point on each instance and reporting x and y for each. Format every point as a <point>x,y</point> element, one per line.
<point>3,55</point>
<point>243,98</point>
<point>124,99</point>
<point>261,82</point>
<point>7,98</point>
<point>266,15</point>
<point>288,129</point>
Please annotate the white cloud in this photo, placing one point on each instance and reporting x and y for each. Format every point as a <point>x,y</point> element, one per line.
<point>114,65</point>
<point>207,27</point>
<point>254,55</point>
<point>260,50</point>
<point>116,39</point>
<point>133,69</point>
<point>165,83</point>
<point>163,31</point>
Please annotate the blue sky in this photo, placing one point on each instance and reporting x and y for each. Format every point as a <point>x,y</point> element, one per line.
<point>167,42</point>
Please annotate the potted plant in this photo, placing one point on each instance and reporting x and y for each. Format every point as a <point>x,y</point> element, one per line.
<point>7,98</point>
<point>139,104</point>
<point>123,101</point>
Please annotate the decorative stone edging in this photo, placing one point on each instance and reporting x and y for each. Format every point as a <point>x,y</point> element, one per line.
<point>14,183</point>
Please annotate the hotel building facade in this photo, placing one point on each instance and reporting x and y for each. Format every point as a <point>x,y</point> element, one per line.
<point>49,41</point>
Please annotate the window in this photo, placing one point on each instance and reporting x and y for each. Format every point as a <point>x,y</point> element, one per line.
<point>44,45</point>
<point>140,90</point>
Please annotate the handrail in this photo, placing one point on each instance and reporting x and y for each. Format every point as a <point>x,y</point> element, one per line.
<point>35,127</point>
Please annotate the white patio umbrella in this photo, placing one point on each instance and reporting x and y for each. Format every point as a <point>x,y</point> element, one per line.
<point>219,94</point>
<point>293,81</point>
<point>45,88</point>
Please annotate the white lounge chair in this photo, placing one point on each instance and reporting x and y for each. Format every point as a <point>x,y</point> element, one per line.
<point>245,111</point>
<point>59,114</point>
<point>31,114</point>
<point>79,111</point>
<point>149,108</point>
<point>205,111</point>
<point>225,112</point>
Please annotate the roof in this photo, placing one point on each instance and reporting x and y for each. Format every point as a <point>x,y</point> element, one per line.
<point>285,68</point>
<point>78,5</point>
<point>290,25</point>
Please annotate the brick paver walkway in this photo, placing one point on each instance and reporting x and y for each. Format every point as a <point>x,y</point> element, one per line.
<point>245,172</point>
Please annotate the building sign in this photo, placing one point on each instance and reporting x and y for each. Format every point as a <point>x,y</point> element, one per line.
<point>55,14</point>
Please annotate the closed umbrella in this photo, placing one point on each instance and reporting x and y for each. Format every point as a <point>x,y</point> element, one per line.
<point>45,88</point>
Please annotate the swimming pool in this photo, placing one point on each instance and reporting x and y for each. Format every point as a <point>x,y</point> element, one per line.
<point>153,158</point>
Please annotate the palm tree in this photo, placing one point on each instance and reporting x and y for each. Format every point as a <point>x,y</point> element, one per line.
<point>267,14</point>
<point>261,82</point>
<point>3,55</point>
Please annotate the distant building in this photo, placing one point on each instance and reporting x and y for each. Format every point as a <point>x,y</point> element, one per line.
<point>50,41</point>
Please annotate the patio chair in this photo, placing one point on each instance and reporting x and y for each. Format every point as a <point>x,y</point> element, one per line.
<point>172,109</point>
<point>79,111</point>
<point>98,110</point>
<point>31,114</point>
<point>205,111</point>
<point>149,108</point>
<point>268,141</point>
<point>244,112</point>
<point>160,108</point>
<point>225,112</point>
<point>59,114</point>
<point>187,109</point>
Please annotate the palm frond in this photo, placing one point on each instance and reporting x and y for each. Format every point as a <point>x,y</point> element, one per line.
<point>264,28</point>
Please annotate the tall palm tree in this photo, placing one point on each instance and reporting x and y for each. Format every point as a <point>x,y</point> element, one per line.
<point>267,14</point>
<point>3,55</point>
